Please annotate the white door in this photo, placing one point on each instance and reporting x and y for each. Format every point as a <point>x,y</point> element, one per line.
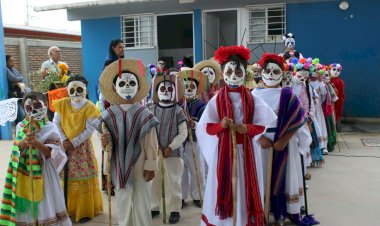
<point>211,35</point>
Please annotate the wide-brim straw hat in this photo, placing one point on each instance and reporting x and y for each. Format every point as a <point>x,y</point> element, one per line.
<point>214,65</point>
<point>135,67</point>
<point>198,76</point>
<point>177,81</point>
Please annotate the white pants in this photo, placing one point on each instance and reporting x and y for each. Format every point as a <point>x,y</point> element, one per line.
<point>189,167</point>
<point>173,192</point>
<point>133,203</point>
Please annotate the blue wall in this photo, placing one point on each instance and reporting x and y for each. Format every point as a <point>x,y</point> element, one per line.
<point>351,38</point>
<point>96,36</point>
<point>197,17</point>
<point>5,131</point>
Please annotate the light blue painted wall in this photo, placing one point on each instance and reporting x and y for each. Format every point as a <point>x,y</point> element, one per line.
<point>198,36</point>
<point>5,131</point>
<point>96,36</point>
<point>351,38</point>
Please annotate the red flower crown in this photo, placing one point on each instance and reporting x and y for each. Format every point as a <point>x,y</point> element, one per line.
<point>223,53</point>
<point>271,56</point>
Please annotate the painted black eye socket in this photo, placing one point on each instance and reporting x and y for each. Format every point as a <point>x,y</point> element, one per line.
<point>132,83</point>
<point>122,84</point>
<point>72,91</point>
<point>80,90</point>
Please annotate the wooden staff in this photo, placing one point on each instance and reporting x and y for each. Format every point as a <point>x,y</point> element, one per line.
<point>268,186</point>
<point>163,186</point>
<point>235,176</point>
<point>190,131</point>
<point>109,185</point>
<point>31,170</point>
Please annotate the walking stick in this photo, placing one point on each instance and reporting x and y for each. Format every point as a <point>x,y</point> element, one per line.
<point>108,151</point>
<point>163,187</point>
<point>190,131</point>
<point>31,171</point>
<point>268,186</point>
<point>234,178</point>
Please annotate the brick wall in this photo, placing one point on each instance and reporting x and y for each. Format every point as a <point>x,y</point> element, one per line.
<point>37,54</point>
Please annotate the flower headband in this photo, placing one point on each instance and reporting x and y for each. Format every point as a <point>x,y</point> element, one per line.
<point>223,53</point>
<point>271,56</point>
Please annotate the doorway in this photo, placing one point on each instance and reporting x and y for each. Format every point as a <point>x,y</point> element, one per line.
<point>220,29</point>
<point>175,38</point>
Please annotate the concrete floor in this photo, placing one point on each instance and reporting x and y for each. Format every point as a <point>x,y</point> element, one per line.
<point>344,191</point>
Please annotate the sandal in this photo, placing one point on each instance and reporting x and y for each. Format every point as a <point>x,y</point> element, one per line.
<point>307,176</point>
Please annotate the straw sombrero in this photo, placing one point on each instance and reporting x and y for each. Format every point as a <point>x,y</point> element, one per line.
<point>196,75</point>
<point>127,65</point>
<point>214,65</point>
<point>179,85</point>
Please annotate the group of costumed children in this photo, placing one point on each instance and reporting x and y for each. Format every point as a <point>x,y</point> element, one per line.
<point>224,131</point>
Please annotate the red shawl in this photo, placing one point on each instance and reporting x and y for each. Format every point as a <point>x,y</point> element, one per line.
<point>224,204</point>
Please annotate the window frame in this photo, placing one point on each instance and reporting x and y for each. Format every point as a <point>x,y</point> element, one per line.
<point>137,31</point>
<point>265,8</point>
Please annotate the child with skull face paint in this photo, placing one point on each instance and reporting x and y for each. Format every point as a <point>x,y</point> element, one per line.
<point>73,118</point>
<point>132,135</point>
<point>48,159</point>
<point>289,44</point>
<point>335,70</point>
<point>195,82</point>
<point>302,88</point>
<point>172,132</point>
<point>289,136</point>
<point>233,108</point>
<point>213,72</point>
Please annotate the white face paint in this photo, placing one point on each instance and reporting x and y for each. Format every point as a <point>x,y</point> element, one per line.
<point>290,43</point>
<point>326,76</point>
<point>127,85</point>
<point>335,72</point>
<point>166,92</point>
<point>233,75</point>
<point>287,79</point>
<point>77,91</point>
<point>210,73</point>
<point>161,65</point>
<point>302,76</point>
<point>190,89</point>
<point>35,108</point>
<point>272,74</point>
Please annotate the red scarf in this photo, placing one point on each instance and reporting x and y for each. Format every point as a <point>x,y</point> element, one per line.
<point>224,204</point>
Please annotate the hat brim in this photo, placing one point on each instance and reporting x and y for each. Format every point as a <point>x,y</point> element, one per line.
<point>178,82</point>
<point>196,75</point>
<point>135,67</point>
<point>214,65</point>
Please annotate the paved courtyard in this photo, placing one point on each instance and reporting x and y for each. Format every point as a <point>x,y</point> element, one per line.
<point>344,191</point>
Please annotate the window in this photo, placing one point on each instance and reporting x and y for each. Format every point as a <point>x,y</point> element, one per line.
<point>266,23</point>
<point>138,31</point>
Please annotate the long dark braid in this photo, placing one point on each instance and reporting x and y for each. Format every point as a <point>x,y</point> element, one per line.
<point>308,93</point>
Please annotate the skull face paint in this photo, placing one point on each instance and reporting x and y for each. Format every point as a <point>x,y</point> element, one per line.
<point>233,75</point>
<point>35,109</point>
<point>127,85</point>
<point>210,74</point>
<point>190,89</point>
<point>161,65</point>
<point>290,43</point>
<point>272,74</point>
<point>77,91</point>
<point>287,79</point>
<point>326,77</point>
<point>166,92</point>
<point>302,76</point>
<point>335,71</point>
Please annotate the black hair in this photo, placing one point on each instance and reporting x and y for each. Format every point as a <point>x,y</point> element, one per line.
<point>34,96</point>
<point>308,93</point>
<point>237,59</point>
<point>78,78</point>
<point>161,59</point>
<point>7,57</point>
<point>111,54</point>
<point>187,62</point>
